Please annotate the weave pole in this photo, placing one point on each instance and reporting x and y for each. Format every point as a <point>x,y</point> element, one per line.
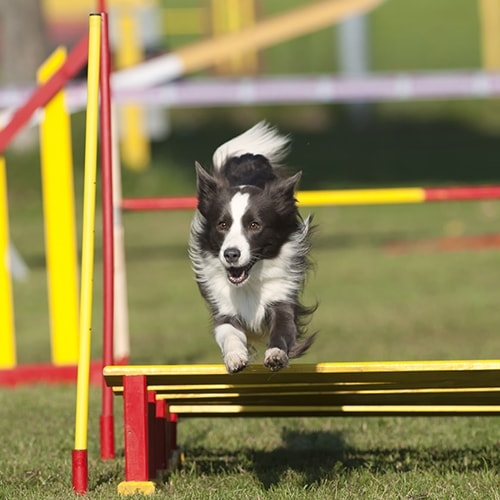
<point>107,417</point>
<point>79,454</point>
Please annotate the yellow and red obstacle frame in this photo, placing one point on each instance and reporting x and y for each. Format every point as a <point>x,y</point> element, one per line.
<point>60,238</point>
<point>86,371</point>
<point>59,227</point>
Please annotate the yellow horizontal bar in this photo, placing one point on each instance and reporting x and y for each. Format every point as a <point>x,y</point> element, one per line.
<point>361,196</point>
<point>422,409</point>
<point>340,367</point>
<point>318,410</point>
<point>320,394</point>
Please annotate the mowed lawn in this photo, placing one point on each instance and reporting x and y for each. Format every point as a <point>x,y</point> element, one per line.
<point>373,305</point>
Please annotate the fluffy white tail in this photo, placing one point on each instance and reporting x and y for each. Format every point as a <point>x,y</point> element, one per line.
<point>261,139</point>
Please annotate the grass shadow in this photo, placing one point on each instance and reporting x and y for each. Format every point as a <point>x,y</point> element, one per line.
<point>319,456</point>
<point>313,454</point>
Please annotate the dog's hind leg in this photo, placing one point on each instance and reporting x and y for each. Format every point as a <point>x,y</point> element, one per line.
<point>282,336</point>
<point>233,344</point>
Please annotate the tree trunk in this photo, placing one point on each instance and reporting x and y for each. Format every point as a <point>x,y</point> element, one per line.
<point>23,47</point>
<point>23,41</point>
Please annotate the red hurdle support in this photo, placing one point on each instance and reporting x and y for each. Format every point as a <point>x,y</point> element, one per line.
<point>137,422</point>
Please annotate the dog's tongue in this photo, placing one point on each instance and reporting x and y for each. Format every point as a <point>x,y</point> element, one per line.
<point>237,275</point>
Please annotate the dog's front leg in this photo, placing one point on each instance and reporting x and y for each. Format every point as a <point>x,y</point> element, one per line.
<point>282,336</point>
<point>233,344</point>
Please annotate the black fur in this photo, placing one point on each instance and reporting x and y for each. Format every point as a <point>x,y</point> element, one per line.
<point>270,222</point>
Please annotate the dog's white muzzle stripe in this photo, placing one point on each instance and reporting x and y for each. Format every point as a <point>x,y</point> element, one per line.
<point>235,238</point>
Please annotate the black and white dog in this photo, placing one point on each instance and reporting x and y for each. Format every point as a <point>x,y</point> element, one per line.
<point>249,249</point>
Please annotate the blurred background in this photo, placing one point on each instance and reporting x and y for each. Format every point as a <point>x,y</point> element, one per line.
<point>422,302</point>
<point>387,141</point>
<point>393,282</point>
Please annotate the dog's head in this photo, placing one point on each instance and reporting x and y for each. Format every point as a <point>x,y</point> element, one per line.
<point>247,223</point>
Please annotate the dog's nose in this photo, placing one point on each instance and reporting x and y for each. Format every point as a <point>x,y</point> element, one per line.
<point>231,255</point>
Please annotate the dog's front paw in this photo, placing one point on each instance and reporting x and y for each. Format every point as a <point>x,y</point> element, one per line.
<point>235,361</point>
<point>275,359</point>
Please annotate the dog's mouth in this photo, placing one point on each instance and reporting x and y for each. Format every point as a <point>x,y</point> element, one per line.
<point>238,275</point>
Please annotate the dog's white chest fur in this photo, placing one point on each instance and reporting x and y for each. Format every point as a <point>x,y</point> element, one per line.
<point>270,282</point>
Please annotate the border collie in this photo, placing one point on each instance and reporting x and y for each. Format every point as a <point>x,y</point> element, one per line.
<point>249,249</point>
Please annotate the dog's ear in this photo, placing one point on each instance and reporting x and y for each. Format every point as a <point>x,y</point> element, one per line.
<point>290,184</point>
<point>285,188</point>
<point>206,187</point>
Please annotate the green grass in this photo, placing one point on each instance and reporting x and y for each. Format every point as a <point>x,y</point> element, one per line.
<point>373,306</point>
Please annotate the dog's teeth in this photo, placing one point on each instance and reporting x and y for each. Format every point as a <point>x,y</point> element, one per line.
<point>237,275</point>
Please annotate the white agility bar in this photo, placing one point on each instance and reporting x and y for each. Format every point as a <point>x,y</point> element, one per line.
<point>295,89</point>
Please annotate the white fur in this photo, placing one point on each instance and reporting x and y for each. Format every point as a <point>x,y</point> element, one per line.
<point>271,280</point>
<point>261,139</point>
<point>275,357</point>
<point>233,344</point>
<point>235,238</point>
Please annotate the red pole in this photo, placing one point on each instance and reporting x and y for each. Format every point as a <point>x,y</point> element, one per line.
<point>462,193</point>
<point>107,417</point>
<point>165,203</point>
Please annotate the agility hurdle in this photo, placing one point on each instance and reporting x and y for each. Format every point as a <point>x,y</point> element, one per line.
<point>155,396</point>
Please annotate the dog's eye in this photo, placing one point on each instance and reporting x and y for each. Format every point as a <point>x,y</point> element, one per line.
<point>222,226</point>
<point>254,226</point>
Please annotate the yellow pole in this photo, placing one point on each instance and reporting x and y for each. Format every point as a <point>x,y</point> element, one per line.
<point>134,144</point>
<point>489,14</point>
<point>229,16</point>
<point>87,268</point>
<point>59,217</point>
<point>7,334</point>
<point>248,18</point>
